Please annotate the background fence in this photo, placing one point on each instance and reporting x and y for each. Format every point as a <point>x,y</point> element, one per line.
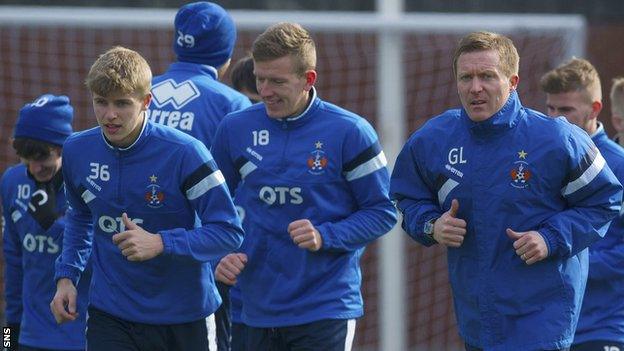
<point>50,50</point>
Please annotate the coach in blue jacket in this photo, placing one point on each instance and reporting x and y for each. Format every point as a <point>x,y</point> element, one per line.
<point>313,182</point>
<point>573,90</point>
<point>516,196</point>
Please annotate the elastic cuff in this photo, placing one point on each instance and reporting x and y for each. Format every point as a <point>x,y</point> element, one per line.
<point>167,240</point>
<point>550,239</point>
<point>67,272</point>
<point>326,240</point>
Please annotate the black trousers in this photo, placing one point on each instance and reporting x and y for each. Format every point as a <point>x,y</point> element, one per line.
<point>223,319</point>
<point>106,332</point>
<point>598,345</point>
<point>323,335</point>
<point>472,348</point>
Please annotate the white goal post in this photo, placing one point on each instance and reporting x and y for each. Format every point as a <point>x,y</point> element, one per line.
<point>393,81</point>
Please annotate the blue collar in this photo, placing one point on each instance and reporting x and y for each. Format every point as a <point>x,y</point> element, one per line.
<point>506,118</point>
<point>145,131</point>
<point>599,134</point>
<point>302,118</point>
<point>195,68</point>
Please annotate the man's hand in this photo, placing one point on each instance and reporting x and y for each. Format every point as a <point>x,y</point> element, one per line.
<point>135,243</point>
<point>449,230</point>
<point>230,267</point>
<point>304,235</point>
<point>63,304</point>
<point>530,246</point>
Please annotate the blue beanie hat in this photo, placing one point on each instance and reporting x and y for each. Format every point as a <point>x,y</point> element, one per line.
<point>204,33</point>
<point>48,119</point>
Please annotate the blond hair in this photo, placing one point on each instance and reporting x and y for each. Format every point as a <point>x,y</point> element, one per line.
<point>284,39</point>
<point>617,97</point>
<point>574,75</point>
<point>119,71</point>
<point>483,41</point>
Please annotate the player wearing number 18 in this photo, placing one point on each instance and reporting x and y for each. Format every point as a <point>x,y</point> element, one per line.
<point>312,179</point>
<point>160,212</point>
<point>33,213</point>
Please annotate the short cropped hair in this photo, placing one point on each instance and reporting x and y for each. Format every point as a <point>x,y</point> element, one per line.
<point>33,149</point>
<point>119,71</point>
<point>242,75</point>
<point>574,75</point>
<point>617,97</point>
<point>284,39</point>
<point>482,41</point>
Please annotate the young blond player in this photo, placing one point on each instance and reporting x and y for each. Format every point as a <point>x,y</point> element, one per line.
<point>159,210</point>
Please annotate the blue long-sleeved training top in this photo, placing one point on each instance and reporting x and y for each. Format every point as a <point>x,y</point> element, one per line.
<point>167,183</point>
<point>189,97</point>
<point>33,217</point>
<point>602,312</point>
<point>325,165</point>
<point>521,170</point>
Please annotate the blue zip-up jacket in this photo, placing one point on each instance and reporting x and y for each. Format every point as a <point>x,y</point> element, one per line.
<point>33,214</point>
<point>167,183</point>
<point>189,97</point>
<point>602,313</point>
<point>325,165</point>
<point>522,170</point>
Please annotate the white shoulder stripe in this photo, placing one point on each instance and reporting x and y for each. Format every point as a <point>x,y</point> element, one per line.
<point>590,173</point>
<point>16,215</point>
<point>199,189</point>
<point>368,167</point>
<point>247,168</point>
<point>446,189</point>
<point>87,196</point>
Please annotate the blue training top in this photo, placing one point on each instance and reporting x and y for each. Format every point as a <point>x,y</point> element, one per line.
<point>167,183</point>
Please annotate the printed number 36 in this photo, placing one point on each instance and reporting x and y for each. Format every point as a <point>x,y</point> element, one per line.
<point>99,171</point>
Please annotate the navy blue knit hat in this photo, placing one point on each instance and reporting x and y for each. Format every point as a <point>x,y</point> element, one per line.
<point>48,119</point>
<point>204,33</point>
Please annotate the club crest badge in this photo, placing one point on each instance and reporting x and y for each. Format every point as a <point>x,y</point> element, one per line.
<point>520,173</point>
<point>317,160</point>
<point>154,195</point>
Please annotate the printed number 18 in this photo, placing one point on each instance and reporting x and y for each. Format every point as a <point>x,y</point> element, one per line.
<point>260,137</point>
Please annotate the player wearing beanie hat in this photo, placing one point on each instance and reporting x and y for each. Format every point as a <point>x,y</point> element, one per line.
<point>33,204</point>
<point>190,97</point>
<point>204,33</point>
<point>48,119</point>
<point>40,131</point>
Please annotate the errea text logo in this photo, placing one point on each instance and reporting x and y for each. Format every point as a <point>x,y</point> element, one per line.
<point>178,95</point>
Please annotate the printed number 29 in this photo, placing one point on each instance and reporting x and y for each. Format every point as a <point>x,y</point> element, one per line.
<point>99,171</point>
<point>260,137</point>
